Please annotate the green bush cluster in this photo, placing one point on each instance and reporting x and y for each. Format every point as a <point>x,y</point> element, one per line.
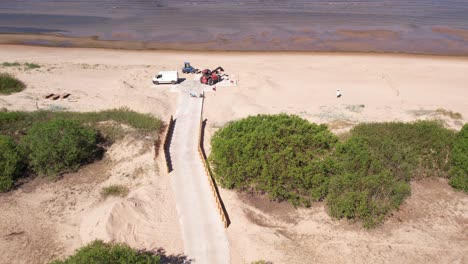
<point>363,177</point>
<point>377,162</point>
<point>31,66</point>
<point>11,64</point>
<point>10,163</point>
<point>284,156</point>
<point>27,65</point>
<point>365,197</point>
<point>9,84</point>
<point>52,143</point>
<point>59,146</point>
<point>408,150</point>
<point>12,122</point>
<point>459,161</point>
<point>98,252</point>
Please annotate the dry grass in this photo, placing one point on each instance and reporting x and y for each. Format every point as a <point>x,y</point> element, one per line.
<point>355,108</point>
<point>114,190</point>
<point>437,112</point>
<point>340,124</point>
<point>448,113</point>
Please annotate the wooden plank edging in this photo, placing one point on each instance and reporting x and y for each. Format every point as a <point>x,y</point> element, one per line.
<point>216,195</point>
<point>166,144</point>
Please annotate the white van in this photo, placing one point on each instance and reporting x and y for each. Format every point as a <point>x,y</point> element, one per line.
<point>171,77</point>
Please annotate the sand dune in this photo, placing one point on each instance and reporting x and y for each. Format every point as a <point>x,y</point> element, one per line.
<point>375,88</point>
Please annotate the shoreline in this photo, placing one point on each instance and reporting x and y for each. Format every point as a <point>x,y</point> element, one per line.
<point>59,41</point>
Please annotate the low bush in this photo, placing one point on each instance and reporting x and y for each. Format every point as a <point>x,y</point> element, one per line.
<point>408,150</point>
<point>11,64</point>
<point>58,146</point>
<point>10,163</point>
<point>363,177</point>
<point>27,65</point>
<point>46,146</point>
<point>31,66</point>
<point>9,84</point>
<point>16,123</point>
<point>459,180</point>
<point>459,161</point>
<point>378,160</point>
<point>114,190</point>
<point>98,252</point>
<point>284,156</point>
<point>365,197</point>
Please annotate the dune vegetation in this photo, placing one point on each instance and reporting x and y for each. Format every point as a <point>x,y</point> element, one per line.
<point>109,253</point>
<point>53,143</point>
<point>459,161</point>
<point>362,177</point>
<point>10,162</point>
<point>9,84</point>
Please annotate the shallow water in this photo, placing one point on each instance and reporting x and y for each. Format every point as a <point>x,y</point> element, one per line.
<point>415,26</point>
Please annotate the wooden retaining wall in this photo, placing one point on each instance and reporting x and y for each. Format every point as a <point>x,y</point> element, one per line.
<point>167,143</point>
<point>214,188</point>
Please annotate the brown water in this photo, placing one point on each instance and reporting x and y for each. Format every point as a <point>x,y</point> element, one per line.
<point>414,26</point>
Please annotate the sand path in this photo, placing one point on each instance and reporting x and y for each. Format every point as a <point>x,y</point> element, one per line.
<point>204,237</point>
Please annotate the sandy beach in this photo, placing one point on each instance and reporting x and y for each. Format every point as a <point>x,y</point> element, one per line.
<point>374,87</point>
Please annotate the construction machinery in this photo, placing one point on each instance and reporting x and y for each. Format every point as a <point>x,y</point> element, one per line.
<point>211,77</point>
<point>188,68</point>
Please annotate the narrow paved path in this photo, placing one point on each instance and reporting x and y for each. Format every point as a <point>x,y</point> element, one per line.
<point>204,237</point>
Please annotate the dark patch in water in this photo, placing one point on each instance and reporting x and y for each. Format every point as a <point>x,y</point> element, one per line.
<point>39,42</point>
<point>29,30</point>
<point>43,42</point>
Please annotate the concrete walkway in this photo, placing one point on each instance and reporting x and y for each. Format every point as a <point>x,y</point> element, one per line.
<point>204,237</point>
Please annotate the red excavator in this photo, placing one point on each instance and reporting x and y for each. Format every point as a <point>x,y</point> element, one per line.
<point>211,77</point>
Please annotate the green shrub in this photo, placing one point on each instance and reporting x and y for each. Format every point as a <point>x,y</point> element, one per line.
<point>11,64</point>
<point>114,190</point>
<point>98,252</point>
<point>459,180</point>
<point>31,66</point>
<point>378,160</point>
<point>27,65</point>
<point>284,156</point>
<point>15,123</point>
<point>49,148</point>
<point>408,150</point>
<point>459,161</point>
<point>365,197</point>
<point>59,146</point>
<point>9,84</point>
<point>363,177</point>
<point>10,163</point>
